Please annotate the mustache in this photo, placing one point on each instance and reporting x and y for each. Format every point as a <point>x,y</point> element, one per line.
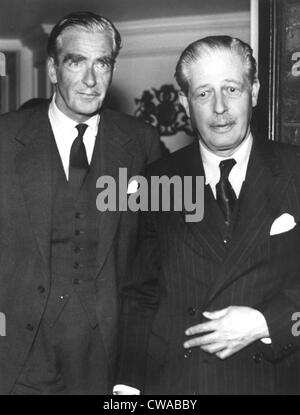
<point>96,93</point>
<point>218,122</point>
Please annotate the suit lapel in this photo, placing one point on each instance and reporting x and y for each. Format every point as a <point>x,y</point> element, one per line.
<point>262,193</point>
<point>33,164</point>
<point>206,232</point>
<point>114,154</point>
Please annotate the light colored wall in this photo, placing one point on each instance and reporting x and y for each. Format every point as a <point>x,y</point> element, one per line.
<point>25,70</point>
<point>152,48</point>
<point>147,60</point>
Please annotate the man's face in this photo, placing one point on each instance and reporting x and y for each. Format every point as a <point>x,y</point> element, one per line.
<point>83,72</point>
<point>220,101</point>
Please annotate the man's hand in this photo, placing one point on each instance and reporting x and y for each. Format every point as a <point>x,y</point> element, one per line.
<point>228,331</point>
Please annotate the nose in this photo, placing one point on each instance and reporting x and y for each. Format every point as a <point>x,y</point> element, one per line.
<point>89,77</point>
<point>220,104</point>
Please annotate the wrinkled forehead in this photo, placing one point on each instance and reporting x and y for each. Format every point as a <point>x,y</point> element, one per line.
<point>76,36</point>
<point>217,64</point>
<point>219,56</point>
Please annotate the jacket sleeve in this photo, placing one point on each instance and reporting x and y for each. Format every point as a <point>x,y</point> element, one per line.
<point>281,310</point>
<point>140,298</point>
<point>281,313</point>
<point>153,146</point>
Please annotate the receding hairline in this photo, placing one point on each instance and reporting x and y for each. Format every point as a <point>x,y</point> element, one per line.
<point>209,46</point>
<point>80,28</point>
<point>207,52</point>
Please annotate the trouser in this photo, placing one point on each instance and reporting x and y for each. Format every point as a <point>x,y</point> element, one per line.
<point>66,358</point>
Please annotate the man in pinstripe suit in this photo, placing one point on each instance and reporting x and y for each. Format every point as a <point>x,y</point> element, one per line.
<point>209,306</point>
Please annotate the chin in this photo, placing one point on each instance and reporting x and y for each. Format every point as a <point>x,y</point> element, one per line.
<point>89,110</point>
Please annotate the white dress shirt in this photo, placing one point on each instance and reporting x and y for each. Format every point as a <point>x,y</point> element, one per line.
<point>65,132</point>
<point>237,174</point>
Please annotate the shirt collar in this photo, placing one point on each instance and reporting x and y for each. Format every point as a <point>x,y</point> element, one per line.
<point>66,123</point>
<point>211,160</point>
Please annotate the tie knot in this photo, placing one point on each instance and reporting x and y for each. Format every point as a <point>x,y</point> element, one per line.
<point>81,130</point>
<point>226,166</point>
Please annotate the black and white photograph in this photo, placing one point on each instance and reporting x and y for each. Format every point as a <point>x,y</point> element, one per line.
<point>149,200</point>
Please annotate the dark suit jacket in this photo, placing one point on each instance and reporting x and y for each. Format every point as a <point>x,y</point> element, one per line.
<point>185,268</point>
<point>25,226</point>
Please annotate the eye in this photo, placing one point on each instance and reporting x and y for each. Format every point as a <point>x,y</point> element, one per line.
<point>202,95</point>
<point>74,63</point>
<point>104,64</point>
<point>233,90</point>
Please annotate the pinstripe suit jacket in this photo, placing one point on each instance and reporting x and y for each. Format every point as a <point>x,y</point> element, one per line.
<point>185,268</point>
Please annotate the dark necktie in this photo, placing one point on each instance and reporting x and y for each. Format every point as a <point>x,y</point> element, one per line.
<point>226,197</point>
<point>79,165</point>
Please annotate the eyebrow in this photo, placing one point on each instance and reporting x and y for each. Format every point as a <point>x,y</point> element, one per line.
<point>73,56</point>
<point>106,59</point>
<point>79,57</point>
<point>229,80</point>
<point>199,88</point>
<point>202,86</point>
<point>234,81</point>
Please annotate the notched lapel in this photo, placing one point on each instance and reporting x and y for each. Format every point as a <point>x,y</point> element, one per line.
<point>260,199</point>
<point>206,232</point>
<point>33,165</point>
<point>114,154</point>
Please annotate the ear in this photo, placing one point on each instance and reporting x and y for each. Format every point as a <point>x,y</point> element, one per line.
<point>52,70</point>
<point>184,102</point>
<point>255,90</point>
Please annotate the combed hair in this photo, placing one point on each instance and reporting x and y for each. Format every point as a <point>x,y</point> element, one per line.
<point>209,44</point>
<point>85,20</point>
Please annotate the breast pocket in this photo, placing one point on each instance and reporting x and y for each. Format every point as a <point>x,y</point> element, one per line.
<point>284,252</point>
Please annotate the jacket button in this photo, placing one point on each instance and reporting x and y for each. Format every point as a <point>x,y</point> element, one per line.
<point>29,327</point>
<point>187,354</point>
<point>191,311</point>
<point>41,289</point>
<point>77,249</point>
<point>288,347</point>
<point>76,281</point>
<point>76,265</point>
<point>77,215</point>
<point>257,357</point>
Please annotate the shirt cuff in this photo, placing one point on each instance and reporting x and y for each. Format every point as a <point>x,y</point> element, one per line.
<point>266,340</point>
<point>126,390</point>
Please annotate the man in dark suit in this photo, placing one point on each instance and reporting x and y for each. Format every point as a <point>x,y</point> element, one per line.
<point>211,307</point>
<point>61,258</point>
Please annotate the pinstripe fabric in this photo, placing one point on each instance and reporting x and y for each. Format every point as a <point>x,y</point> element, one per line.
<point>183,269</point>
